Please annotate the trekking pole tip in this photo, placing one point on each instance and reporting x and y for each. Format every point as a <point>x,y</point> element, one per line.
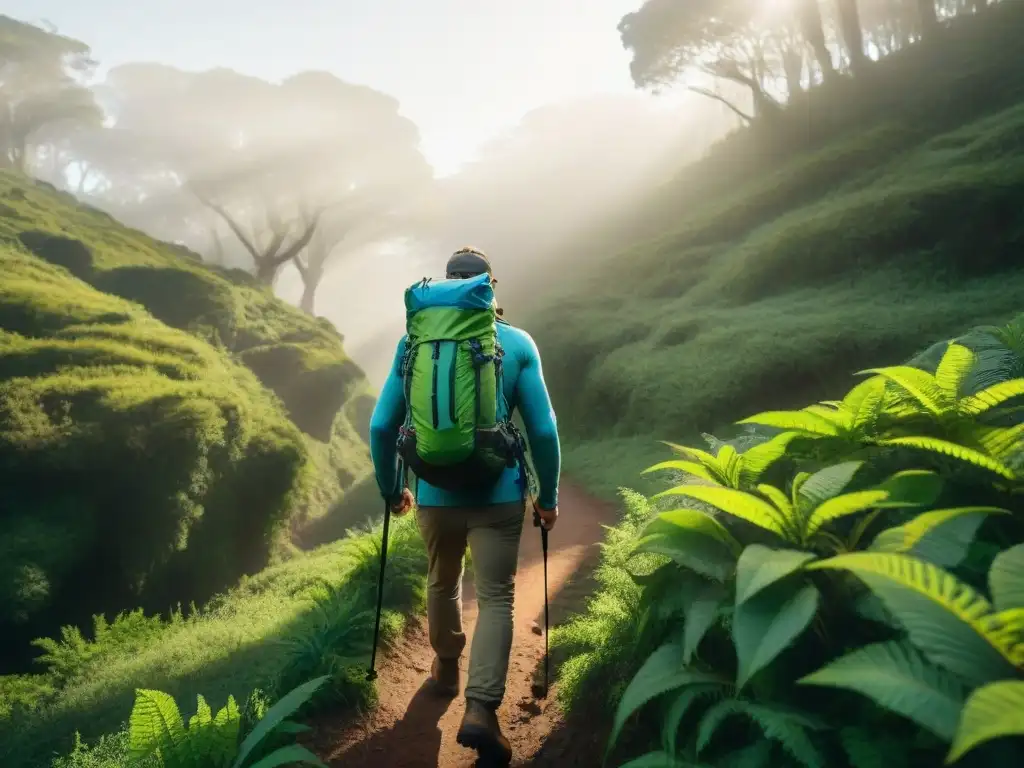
<point>371,675</point>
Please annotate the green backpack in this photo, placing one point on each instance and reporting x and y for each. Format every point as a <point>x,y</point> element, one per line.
<point>457,434</point>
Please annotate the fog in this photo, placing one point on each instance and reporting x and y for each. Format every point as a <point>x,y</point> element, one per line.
<point>522,200</point>
<point>320,189</point>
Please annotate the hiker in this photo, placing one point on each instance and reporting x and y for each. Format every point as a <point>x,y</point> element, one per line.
<point>450,374</point>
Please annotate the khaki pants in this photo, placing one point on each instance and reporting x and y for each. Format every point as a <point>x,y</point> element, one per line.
<point>492,533</point>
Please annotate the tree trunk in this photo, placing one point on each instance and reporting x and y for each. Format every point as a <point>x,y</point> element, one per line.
<point>928,17</point>
<point>266,270</point>
<point>979,5</point>
<point>853,35</point>
<point>812,28</point>
<point>793,66</point>
<point>308,302</point>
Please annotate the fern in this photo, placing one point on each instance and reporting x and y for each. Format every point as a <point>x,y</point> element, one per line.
<point>991,712</point>
<point>1000,351</point>
<point>727,466</point>
<point>954,450</point>
<point>156,730</point>
<point>953,625</point>
<point>789,729</point>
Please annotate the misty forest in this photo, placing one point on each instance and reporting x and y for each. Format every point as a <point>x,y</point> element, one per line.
<point>780,305</point>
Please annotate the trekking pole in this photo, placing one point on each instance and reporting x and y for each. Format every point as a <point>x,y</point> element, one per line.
<point>544,550</point>
<point>371,674</point>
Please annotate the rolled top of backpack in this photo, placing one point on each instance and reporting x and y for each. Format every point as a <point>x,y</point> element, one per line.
<point>471,293</point>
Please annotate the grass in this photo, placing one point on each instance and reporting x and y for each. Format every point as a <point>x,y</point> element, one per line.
<point>769,297</point>
<point>164,426</point>
<point>309,616</point>
<point>225,307</point>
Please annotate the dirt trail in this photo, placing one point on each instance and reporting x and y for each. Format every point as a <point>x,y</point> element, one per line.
<point>411,728</point>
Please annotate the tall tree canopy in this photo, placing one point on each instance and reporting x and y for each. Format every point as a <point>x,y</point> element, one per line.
<point>41,97</point>
<point>762,52</point>
<point>270,162</point>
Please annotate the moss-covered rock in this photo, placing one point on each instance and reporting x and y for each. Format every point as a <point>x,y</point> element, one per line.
<point>142,462</point>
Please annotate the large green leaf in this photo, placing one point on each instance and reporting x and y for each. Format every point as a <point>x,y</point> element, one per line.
<point>713,469</point>
<point>783,726</point>
<point>949,622</point>
<point>692,521</point>
<point>765,625</point>
<point>689,467</point>
<point>737,503</point>
<point>677,711</point>
<point>282,709</point>
<point>999,442</point>
<point>918,384</point>
<point>896,676</point>
<point>991,712</point>
<point>841,506</point>
<point>759,567</point>
<point>810,424</point>
<point>729,460</point>
<point>202,741</point>
<point>690,549</point>
<point>226,724</point>
<point>782,503</point>
<point>912,488</point>
<point>864,402</point>
<point>155,724</point>
<point>992,397</point>
<point>663,671</point>
<point>1006,579</point>
<point>952,370</point>
<point>869,606</point>
<point>826,483</point>
<point>954,450</point>
<point>293,754</point>
<point>756,459</point>
<point>941,536</point>
<point>700,617</point>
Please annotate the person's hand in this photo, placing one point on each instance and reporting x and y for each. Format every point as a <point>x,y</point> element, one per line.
<point>548,517</point>
<point>403,504</point>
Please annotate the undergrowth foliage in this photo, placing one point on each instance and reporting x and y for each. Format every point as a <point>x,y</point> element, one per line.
<point>310,618</point>
<point>845,588</point>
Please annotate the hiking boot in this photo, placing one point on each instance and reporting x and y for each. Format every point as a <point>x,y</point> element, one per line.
<point>444,676</point>
<point>480,731</point>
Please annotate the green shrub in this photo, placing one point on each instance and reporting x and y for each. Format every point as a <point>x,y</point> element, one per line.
<point>308,617</point>
<point>158,736</point>
<point>107,752</point>
<point>313,386</point>
<point>140,465</point>
<point>143,463</point>
<point>849,569</point>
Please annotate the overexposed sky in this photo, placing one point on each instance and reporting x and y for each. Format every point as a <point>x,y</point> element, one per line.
<point>463,70</point>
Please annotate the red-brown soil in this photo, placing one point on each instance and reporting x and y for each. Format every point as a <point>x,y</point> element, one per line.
<point>412,728</point>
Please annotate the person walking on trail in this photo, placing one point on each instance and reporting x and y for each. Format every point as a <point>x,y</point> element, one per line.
<point>445,413</point>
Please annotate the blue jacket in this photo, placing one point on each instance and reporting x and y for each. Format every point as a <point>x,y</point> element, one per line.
<point>524,389</point>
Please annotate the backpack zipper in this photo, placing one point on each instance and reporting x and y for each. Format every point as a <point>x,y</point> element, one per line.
<point>451,382</point>
<point>433,397</point>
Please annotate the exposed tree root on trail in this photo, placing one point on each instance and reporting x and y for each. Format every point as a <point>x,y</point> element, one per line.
<point>413,728</point>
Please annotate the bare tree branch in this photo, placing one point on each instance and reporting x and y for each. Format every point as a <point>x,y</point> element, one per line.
<point>298,245</point>
<point>718,97</point>
<point>250,246</point>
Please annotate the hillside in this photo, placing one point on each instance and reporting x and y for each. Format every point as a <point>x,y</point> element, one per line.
<point>874,222</point>
<point>162,425</point>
